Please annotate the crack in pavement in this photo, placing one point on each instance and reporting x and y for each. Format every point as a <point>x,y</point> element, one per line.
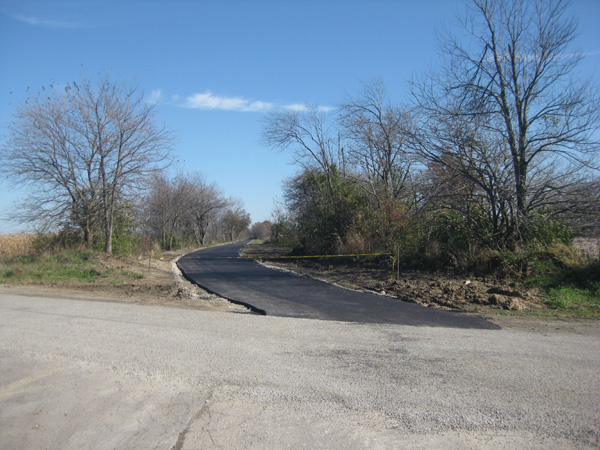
<point>204,409</point>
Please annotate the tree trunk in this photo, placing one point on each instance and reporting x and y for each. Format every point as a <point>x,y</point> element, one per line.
<point>521,193</point>
<point>108,245</point>
<point>109,217</point>
<point>87,235</point>
<point>108,235</point>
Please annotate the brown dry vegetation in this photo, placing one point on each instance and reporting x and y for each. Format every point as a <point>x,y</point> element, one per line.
<point>12,245</point>
<point>588,247</point>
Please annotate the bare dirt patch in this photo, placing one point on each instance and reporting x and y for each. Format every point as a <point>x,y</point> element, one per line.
<point>437,290</point>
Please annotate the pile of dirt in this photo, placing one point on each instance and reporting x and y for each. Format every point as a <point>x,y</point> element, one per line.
<point>438,290</point>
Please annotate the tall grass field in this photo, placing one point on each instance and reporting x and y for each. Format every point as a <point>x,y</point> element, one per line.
<point>12,245</point>
<point>22,262</point>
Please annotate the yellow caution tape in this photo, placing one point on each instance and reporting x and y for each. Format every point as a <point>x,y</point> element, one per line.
<point>394,261</point>
<point>287,256</point>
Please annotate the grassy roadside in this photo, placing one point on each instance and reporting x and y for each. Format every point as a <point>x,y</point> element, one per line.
<point>571,290</point>
<point>69,267</point>
<point>21,263</point>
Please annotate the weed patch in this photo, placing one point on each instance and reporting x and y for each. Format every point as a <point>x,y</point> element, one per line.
<point>64,267</point>
<point>68,266</point>
<point>569,286</point>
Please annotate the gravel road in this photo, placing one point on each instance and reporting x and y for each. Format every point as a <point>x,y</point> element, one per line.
<point>86,374</point>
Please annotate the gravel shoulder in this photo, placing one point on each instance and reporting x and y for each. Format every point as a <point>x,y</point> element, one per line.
<point>185,373</point>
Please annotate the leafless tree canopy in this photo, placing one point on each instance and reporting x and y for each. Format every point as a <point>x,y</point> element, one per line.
<point>510,78</point>
<point>82,149</point>
<point>312,135</point>
<point>185,207</point>
<point>261,230</point>
<point>498,150</point>
<point>234,221</point>
<point>376,132</point>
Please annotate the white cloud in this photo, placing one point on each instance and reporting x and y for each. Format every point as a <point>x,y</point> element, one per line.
<point>325,109</point>
<point>209,101</point>
<point>42,22</point>
<point>155,96</point>
<point>260,106</point>
<point>299,107</point>
<point>296,107</point>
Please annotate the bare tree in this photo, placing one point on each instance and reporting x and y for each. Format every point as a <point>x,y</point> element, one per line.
<point>46,151</point>
<point>168,205</point>
<point>311,134</point>
<point>183,208</point>
<point>377,132</point>
<point>469,170</point>
<point>584,221</point>
<point>84,148</point>
<point>234,220</point>
<point>206,203</point>
<point>155,207</point>
<point>513,78</point>
<point>261,230</point>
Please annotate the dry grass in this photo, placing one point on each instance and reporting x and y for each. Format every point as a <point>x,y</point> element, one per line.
<point>589,248</point>
<point>12,245</point>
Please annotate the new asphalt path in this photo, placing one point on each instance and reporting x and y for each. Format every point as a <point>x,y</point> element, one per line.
<point>278,293</point>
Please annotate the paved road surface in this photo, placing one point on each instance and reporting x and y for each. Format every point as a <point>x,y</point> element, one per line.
<point>278,293</point>
<point>95,375</point>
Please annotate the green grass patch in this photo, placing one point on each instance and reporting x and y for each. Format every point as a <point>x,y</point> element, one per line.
<point>568,297</point>
<point>65,267</point>
<point>133,275</point>
<point>571,287</point>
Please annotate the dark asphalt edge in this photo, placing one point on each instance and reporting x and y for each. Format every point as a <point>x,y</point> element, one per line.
<point>491,326</point>
<point>252,308</point>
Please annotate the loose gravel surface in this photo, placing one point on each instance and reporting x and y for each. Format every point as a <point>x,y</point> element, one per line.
<point>87,374</point>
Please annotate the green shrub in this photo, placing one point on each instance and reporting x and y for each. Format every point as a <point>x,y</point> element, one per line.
<point>57,242</point>
<point>326,208</point>
<point>542,230</point>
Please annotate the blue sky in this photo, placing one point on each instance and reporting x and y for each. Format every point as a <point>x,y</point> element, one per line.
<point>216,67</point>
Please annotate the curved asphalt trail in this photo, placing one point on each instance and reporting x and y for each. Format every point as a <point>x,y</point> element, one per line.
<point>278,293</point>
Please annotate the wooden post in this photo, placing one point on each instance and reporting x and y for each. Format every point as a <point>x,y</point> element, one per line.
<point>397,263</point>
